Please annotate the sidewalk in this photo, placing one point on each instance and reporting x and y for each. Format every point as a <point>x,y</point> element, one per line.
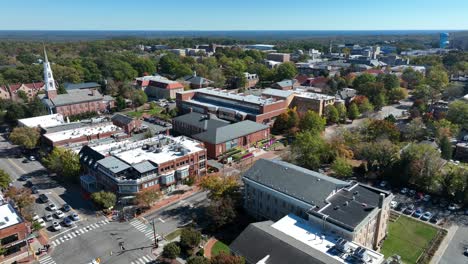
<point>443,246</point>
<point>170,200</point>
<point>208,246</point>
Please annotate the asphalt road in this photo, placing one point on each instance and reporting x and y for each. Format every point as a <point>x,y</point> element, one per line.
<point>454,252</point>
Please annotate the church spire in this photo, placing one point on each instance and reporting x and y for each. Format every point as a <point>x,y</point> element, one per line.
<point>49,81</point>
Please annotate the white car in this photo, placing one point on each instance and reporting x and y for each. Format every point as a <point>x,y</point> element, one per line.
<point>35,217</point>
<point>404,191</point>
<point>52,207</point>
<point>393,204</point>
<point>56,226</point>
<point>49,217</point>
<point>41,222</point>
<point>59,214</point>
<point>453,207</point>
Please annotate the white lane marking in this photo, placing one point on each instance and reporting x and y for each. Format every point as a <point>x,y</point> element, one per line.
<point>162,221</point>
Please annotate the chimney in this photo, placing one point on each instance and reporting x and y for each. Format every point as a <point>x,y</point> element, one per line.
<point>381,200</point>
<point>92,92</point>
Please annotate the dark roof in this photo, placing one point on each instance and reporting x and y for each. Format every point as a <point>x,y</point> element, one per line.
<point>66,126</point>
<point>203,121</point>
<point>74,96</point>
<point>347,212</point>
<point>89,156</point>
<point>72,86</point>
<point>144,166</point>
<point>303,184</point>
<point>259,240</point>
<point>197,80</point>
<point>122,119</point>
<point>114,164</point>
<point>230,132</point>
<point>286,83</point>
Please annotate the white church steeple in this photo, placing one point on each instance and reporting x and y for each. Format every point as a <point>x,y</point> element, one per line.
<point>49,81</point>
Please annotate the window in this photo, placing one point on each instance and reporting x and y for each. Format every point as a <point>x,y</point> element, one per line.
<point>9,239</point>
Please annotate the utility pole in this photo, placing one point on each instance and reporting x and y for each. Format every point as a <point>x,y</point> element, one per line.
<point>154,234</point>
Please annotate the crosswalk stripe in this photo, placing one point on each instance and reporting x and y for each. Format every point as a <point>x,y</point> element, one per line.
<point>73,235</point>
<point>147,260</point>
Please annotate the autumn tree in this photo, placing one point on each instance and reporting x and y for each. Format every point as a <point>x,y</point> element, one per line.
<point>342,168</point>
<point>26,137</point>
<point>21,196</point>
<point>381,129</point>
<point>219,186</point>
<point>147,197</point>
<point>104,199</point>
<point>226,258</point>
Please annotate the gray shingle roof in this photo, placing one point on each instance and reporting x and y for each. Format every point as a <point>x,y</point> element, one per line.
<point>230,132</point>
<point>113,164</point>
<point>302,184</point>
<point>197,80</point>
<point>276,92</point>
<point>285,83</point>
<point>123,119</point>
<point>72,86</point>
<point>259,240</point>
<point>76,96</point>
<point>144,166</point>
<point>201,121</point>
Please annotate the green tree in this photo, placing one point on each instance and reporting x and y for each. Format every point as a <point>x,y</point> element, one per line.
<point>36,108</point>
<point>280,125</point>
<point>380,101</point>
<point>366,106</point>
<point>15,112</point>
<point>26,137</point>
<point>380,155</point>
<point>23,96</point>
<point>458,113</point>
<point>331,114</point>
<point>311,121</point>
<point>64,162</point>
<point>353,111</point>
<point>36,226</point>
<point>104,199</point>
<point>139,97</point>
<point>389,80</point>
<point>379,129</point>
<point>293,119</point>
<point>221,211</point>
<point>171,250</point>
<point>437,79</point>
<point>341,112</point>
<point>454,181</point>
<point>309,150</point>
<point>363,79</point>
<point>286,70</point>
<point>120,103</point>
<point>397,94</point>
<point>342,168</point>
<point>198,260</point>
<point>446,148</point>
<point>189,238</point>
<point>412,78</point>
<point>5,179</point>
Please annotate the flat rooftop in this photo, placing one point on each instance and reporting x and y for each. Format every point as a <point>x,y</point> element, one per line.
<point>132,152</point>
<point>230,95</point>
<point>89,130</point>
<point>8,216</point>
<point>42,121</point>
<point>306,94</point>
<point>312,236</point>
<point>349,206</point>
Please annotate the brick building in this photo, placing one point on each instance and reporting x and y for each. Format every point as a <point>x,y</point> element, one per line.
<point>163,89</point>
<point>14,231</point>
<point>230,105</point>
<point>30,89</point>
<point>279,57</point>
<point>158,163</point>
<point>218,135</point>
<point>128,124</point>
<point>76,101</point>
<point>77,133</point>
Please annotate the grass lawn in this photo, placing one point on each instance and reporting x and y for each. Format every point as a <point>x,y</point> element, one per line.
<point>218,247</point>
<point>173,234</point>
<point>408,238</point>
<point>135,114</point>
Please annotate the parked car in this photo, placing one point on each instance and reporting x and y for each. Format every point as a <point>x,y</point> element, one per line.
<point>383,184</point>
<point>417,213</point>
<point>427,198</point>
<point>59,214</point>
<point>426,216</point>
<point>49,217</point>
<point>74,217</point>
<point>411,192</point>
<point>401,207</point>
<point>43,198</point>
<point>35,217</point>
<point>466,251</point>
<point>66,208</point>
<point>56,226</point>
<point>67,221</point>
<point>435,219</point>
<point>52,207</point>
<point>23,178</point>
<point>409,210</point>
<point>32,158</point>
<point>28,184</point>
<point>41,222</point>
<point>453,207</point>
<point>393,204</point>
<point>404,190</point>
<point>34,189</point>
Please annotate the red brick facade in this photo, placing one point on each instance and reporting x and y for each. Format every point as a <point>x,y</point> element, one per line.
<point>75,109</point>
<point>17,234</point>
<point>214,151</point>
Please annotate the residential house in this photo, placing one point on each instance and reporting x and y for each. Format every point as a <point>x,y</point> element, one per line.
<point>163,89</point>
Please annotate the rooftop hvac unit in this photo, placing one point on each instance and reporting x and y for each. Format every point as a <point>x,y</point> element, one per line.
<point>342,245</point>
<point>361,254</point>
<point>158,150</point>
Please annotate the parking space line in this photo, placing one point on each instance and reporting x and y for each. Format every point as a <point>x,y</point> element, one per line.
<point>162,221</point>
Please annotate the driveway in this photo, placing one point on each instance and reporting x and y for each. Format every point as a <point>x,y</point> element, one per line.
<point>454,252</point>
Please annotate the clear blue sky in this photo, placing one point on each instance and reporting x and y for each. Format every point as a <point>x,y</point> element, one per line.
<point>233,14</point>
